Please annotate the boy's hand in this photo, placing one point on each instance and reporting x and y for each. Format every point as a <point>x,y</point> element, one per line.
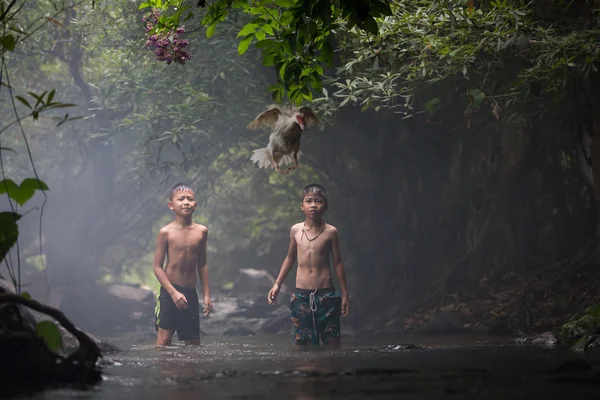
<point>179,300</point>
<point>207,306</point>
<point>272,296</point>
<point>345,306</point>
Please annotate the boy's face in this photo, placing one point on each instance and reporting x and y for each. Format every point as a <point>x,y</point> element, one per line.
<point>183,202</point>
<point>313,206</point>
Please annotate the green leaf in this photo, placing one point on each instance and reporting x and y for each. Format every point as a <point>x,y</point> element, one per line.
<point>244,44</point>
<point>62,105</point>
<point>22,193</point>
<point>270,59</point>
<point>319,69</point>
<point>277,96</point>
<point>243,4</point>
<point>430,106</point>
<point>262,44</point>
<point>268,29</point>
<point>211,30</point>
<point>8,186</point>
<point>8,42</point>
<point>260,35</point>
<point>34,184</point>
<point>285,3</point>
<point>594,311</point>
<point>9,231</point>
<point>278,91</point>
<point>306,71</point>
<point>51,96</point>
<point>316,84</point>
<point>580,345</point>
<point>282,71</point>
<point>143,5</point>
<point>24,101</point>
<point>307,94</point>
<point>326,53</point>
<point>478,98</point>
<point>38,97</point>
<point>382,7</point>
<point>50,334</point>
<point>247,29</point>
<point>313,29</point>
<point>371,25</point>
<point>26,295</point>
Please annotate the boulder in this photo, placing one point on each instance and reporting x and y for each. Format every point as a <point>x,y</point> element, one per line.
<point>255,307</point>
<point>278,325</point>
<point>250,280</point>
<point>138,293</point>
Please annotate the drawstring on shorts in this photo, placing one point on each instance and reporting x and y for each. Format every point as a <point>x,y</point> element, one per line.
<point>313,308</point>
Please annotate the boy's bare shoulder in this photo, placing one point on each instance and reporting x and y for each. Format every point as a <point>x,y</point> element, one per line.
<point>330,229</point>
<point>200,228</point>
<point>165,229</point>
<point>296,227</point>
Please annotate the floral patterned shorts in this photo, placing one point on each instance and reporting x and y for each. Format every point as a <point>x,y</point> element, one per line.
<point>323,323</point>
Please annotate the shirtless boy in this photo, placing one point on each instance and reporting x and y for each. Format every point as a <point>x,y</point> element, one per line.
<point>315,305</point>
<point>184,244</point>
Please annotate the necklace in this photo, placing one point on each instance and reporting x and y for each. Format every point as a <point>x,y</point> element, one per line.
<point>305,234</point>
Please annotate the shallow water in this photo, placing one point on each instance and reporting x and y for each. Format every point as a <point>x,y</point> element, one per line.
<point>270,367</point>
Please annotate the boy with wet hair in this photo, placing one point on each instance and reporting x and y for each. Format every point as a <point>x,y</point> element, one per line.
<point>184,244</point>
<point>315,305</point>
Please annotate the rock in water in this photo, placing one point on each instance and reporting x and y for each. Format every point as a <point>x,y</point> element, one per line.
<point>238,331</point>
<point>70,344</point>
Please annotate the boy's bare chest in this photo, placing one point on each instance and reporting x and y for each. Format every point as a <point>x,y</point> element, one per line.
<point>306,243</point>
<point>184,241</point>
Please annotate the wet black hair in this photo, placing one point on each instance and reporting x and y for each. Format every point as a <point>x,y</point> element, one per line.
<point>315,188</point>
<point>178,188</point>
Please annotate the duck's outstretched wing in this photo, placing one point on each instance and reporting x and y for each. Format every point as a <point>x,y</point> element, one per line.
<point>309,116</point>
<point>268,117</point>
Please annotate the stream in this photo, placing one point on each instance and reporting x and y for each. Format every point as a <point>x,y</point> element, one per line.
<point>365,367</point>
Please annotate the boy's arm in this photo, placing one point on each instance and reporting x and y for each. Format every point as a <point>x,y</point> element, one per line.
<point>340,272</point>
<point>289,261</point>
<point>203,273</point>
<point>287,265</point>
<point>161,275</point>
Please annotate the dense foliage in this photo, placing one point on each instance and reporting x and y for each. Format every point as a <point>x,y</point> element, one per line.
<point>295,37</point>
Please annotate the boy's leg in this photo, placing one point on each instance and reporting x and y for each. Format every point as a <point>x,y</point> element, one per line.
<point>188,321</point>
<point>165,313</point>
<point>329,312</point>
<point>336,343</point>
<point>165,337</point>
<point>301,316</point>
